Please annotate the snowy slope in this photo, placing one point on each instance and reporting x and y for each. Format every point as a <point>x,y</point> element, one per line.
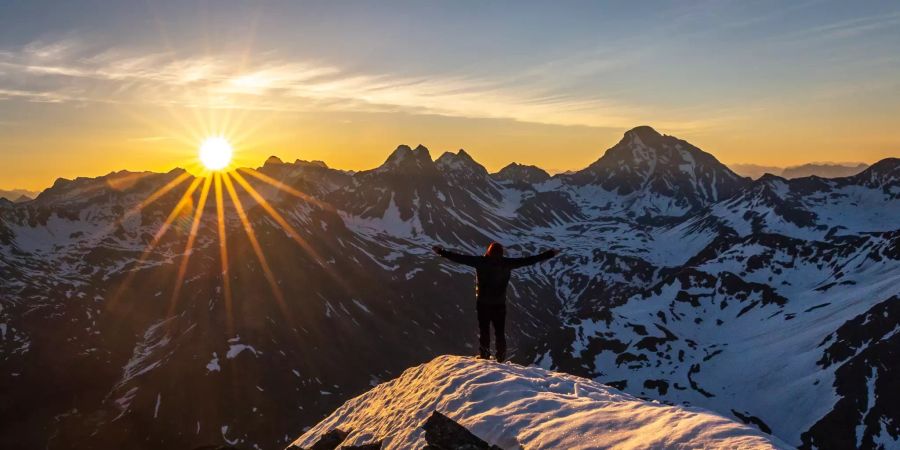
<point>526,407</point>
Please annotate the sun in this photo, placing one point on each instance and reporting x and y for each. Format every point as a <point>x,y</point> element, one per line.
<point>215,153</point>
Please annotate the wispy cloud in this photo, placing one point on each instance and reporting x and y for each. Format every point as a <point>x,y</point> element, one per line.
<point>67,71</point>
<point>842,29</point>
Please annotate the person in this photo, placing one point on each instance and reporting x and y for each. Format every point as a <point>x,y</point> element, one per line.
<point>492,273</point>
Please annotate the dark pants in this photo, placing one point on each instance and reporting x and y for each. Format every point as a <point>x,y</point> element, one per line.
<point>491,315</point>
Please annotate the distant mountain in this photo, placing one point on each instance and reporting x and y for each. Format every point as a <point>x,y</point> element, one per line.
<point>821,170</point>
<point>771,301</point>
<point>755,171</point>
<point>18,195</point>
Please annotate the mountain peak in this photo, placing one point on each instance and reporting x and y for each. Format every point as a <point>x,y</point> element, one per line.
<point>664,166</point>
<point>770,178</point>
<point>406,159</point>
<point>460,162</point>
<point>644,132</point>
<point>521,173</point>
<point>880,174</point>
<point>273,161</point>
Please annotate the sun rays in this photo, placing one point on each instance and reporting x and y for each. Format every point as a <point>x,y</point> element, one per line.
<point>228,189</point>
<point>189,245</point>
<point>223,252</point>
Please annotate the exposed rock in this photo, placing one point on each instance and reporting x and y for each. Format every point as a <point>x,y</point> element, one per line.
<point>372,446</point>
<point>330,440</point>
<point>442,433</point>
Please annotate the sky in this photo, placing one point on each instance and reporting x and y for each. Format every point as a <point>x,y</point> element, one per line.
<point>91,87</point>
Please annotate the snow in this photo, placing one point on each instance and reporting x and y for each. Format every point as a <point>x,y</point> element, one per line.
<point>224,430</point>
<point>156,408</point>
<point>361,306</point>
<point>57,232</point>
<point>870,401</point>
<point>759,349</point>
<point>213,364</point>
<point>145,356</point>
<point>123,402</point>
<point>526,407</point>
<point>236,349</point>
<point>390,223</point>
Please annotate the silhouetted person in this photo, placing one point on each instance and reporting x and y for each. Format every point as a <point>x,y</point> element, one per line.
<point>492,273</point>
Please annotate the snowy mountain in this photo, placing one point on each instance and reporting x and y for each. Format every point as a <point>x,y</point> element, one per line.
<point>511,406</point>
<point>772,302</point>
<point>647,173</point>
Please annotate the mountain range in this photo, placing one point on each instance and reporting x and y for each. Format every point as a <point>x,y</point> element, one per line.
<point>773,302</point>
<point>821,170</point>
<point>17,195</point>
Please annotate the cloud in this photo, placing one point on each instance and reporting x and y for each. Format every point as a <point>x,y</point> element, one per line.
<point>37,97</point>
<point>68,71</point>
<point>842,29</point>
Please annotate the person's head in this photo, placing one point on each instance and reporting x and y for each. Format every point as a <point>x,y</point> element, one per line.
<point>495,250</point>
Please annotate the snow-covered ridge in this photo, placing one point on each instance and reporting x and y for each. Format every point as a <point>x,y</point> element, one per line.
<point>526,407</point>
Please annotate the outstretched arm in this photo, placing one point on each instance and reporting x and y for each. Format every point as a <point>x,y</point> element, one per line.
<point>469,260</point>
<point>515,263</point>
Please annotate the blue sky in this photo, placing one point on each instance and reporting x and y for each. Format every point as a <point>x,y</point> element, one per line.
<point>763,82</point>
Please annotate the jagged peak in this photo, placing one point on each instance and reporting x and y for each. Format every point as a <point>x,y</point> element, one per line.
<point>459,162</point>
<point>404,158</point>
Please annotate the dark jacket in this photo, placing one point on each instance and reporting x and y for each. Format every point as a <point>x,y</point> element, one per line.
<point>492,273</point>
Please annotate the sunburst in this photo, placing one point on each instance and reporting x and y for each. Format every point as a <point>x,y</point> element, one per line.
<point>215,176</point>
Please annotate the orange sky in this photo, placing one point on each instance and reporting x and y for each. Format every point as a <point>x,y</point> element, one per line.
<point>105,140</point>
